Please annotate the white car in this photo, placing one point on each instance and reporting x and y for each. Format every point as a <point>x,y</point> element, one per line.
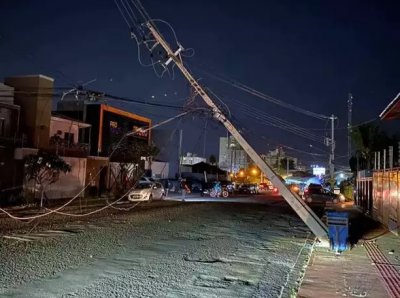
<point>147,192</point>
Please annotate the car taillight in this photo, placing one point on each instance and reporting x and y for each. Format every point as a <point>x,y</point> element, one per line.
<point>275,189</point>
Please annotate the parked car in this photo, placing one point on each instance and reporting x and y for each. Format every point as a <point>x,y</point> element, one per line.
<point>248,189</point>
<point>265,187</point>
<point>147,192</point>
<point>195,186</point>
<point>146,180</point>
<point>316,194</point>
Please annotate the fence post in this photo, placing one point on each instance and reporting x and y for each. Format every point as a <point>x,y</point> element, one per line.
<point>384,159</point>
<point>391,157</point>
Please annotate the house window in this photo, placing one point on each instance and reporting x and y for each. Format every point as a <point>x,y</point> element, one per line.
<point>69,138</point>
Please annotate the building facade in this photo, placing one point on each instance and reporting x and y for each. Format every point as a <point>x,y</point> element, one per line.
<point>192,159</point>
<point>232,157</point>
<point>276,157</point>
<point>34,95</point>
<point>9,140</point>
<point>108,125</point>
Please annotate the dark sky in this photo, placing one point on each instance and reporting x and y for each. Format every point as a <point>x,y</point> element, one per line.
<point>307,53</point>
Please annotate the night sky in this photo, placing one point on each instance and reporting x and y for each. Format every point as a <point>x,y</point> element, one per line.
<point>307,53</point>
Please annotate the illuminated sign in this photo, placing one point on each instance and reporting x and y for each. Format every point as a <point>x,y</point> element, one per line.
<point>113,124</point>
<point>139,132</point>
<point>318,171</point>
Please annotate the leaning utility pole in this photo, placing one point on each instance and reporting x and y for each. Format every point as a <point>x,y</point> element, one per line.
<point>300,207</point>
<point>349,130</point>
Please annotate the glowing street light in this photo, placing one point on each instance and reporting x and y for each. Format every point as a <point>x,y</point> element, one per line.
<point>254,171</point>
<point>241,173</point>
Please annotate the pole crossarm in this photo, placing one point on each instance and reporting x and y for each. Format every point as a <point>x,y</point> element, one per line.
<point>299,206</point>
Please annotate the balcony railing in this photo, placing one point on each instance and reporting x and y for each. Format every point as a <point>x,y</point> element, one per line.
<point>66,148</point>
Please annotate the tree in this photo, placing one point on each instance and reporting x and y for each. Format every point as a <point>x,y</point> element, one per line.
<point>44,169</point>
<point>129,152</point>
<point>284,163</point>
<point>367,139</point>
<point>212,159</point>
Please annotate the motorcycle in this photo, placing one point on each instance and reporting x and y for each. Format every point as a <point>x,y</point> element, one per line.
<point>223,192</point>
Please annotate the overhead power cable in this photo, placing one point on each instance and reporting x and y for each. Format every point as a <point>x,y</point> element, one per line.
<point>278,123</point>
<point>264,96</point>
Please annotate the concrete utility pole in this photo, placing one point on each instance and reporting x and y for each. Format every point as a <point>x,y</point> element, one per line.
<point>349,124</point>
<point>332,155</point>
<point>300,207</point>
<point>180,153</point>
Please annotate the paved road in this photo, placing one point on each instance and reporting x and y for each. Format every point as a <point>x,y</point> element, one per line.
<point>187,250</point>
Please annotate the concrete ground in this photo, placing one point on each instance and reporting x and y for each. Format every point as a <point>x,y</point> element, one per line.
<point>370,269</point>
<point>174,249</point>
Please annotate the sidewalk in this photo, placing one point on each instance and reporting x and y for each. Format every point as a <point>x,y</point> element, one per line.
<point>370,269</point>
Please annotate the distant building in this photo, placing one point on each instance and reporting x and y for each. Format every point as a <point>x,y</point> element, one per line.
<point>232,157</point>
<point>274,158</point>
<point>204,172</point>
<point>192,159</point>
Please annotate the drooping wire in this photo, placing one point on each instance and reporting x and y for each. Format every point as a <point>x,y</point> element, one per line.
<point>57,210</point>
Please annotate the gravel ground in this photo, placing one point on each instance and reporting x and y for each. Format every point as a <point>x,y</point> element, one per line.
<point>186,250</point>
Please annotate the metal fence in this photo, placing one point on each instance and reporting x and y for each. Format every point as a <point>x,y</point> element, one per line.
<point>386,198</point>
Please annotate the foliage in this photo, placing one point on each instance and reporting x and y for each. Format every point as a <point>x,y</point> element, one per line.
<point>367,139</point>
<point>44,169</point>
<point>212,159</point>
<point>284,161</point>
<point>129,152</point>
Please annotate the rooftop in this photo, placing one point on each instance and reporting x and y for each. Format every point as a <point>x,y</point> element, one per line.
<point>392,110</point>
